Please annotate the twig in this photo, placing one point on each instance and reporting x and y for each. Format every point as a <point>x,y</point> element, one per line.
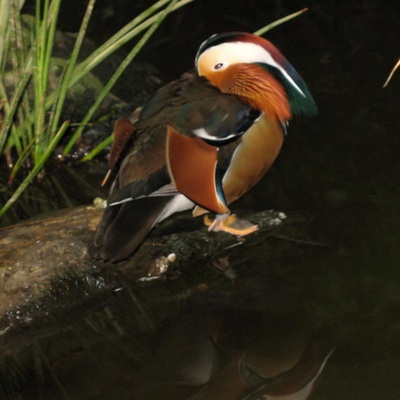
<point>392,73</point>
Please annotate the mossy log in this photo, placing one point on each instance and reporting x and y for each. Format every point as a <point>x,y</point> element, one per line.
<point>46,271</point>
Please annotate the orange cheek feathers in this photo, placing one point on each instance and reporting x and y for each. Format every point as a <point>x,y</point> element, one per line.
<point>255,86</point>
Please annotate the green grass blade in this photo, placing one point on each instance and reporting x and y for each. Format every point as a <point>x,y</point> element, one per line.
<point>123,31</point>
<point>5,7</point>
<point>26,128</point>
<point>119,40</point>
<point>8,10</point>
<point>45,27</point>
<point>278,22</point>
<point>101,146</point>
<point>118,72</point>
<point>4,30</point>
<point>16,99</point>
<point>66,77</point>
<point>36,169</point>
<point>25,152</point>
<point>113,44</point>
<point>49,30</point>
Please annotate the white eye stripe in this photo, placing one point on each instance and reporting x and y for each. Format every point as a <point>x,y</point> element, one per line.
<point>240,52</point>
<point>234,52</point>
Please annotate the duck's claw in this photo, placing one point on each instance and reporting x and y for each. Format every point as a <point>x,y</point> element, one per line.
<point>231,224</point>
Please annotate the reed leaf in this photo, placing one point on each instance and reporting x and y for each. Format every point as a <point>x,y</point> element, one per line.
<point>278,22</point>
<point>31,116</point>
<point>100,147</point>
<point>66,77</point>
<point>122,37</point>
<point>118,72</point>
<point>36,169</point>
<point>16,99</point>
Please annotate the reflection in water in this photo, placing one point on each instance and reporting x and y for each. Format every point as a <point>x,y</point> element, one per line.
<point>254,329</point>
<point>262,343</point>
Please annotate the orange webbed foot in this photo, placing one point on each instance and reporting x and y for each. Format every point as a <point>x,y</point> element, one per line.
<point>231,224</point>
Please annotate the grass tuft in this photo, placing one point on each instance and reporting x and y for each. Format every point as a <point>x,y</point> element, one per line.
<point>31,124</point>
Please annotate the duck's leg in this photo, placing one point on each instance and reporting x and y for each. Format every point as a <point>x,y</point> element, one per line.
<point>231,224</point>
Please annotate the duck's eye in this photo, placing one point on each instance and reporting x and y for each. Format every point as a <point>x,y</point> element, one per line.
<point>218,66</point>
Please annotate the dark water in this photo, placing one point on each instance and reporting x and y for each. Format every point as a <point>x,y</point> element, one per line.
<point>291,303</point>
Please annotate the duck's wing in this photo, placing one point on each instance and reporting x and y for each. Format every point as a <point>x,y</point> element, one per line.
<point>132,212</point>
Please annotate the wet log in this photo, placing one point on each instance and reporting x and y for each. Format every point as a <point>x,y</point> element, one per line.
<point>45,269</point>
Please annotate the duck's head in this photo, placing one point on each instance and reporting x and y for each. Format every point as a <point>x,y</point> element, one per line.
<point>252,68</point>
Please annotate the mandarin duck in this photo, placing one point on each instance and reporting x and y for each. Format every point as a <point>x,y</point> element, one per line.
<point>200,142</point>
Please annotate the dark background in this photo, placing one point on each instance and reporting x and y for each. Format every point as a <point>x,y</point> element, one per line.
<point>340,168</point>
